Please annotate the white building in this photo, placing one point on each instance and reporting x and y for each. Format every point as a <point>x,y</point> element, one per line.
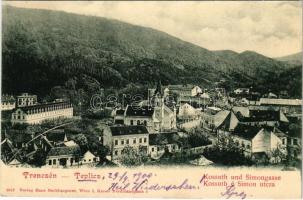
<point>158,143</point>
<point>183,90</point>
<point>285,105</point>
<point>26,99</point>
<point>254,139</point>
<point>156,118</point>
<point>35,114</point>
<point>63,156</point>
<point>89,158</point>
<point>8,102</point>
<point>119,137</point>
<point>188,113</point>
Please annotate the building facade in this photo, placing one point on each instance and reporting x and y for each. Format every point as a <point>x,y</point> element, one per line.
<point>8,102</point>
<point>63,156</point>
<point>36,114</point>
<point>26,99</point>
<point>120,137</point>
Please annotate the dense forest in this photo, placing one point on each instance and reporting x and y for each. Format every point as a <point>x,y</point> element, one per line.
<point>56,54</point>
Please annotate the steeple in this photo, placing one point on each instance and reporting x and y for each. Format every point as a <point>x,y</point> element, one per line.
<point>158,90</point>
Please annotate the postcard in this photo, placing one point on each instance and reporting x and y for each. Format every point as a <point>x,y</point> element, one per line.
<point>153,99</point>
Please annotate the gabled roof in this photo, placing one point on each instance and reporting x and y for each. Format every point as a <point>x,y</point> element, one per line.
<point>243,110</point>
<point>286,102</point>
<point>8,98</point>
<point>88,153</point>
<point>60,151</point>
<point>120,112</point>
<point>128,130</point>
<point>57,135</point>
<point>140,111</point>
<point>221,116</point>
<point>246,131</point>
<point>14,162</point>
<point>278,132</point>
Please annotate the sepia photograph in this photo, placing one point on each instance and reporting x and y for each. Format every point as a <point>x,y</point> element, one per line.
<point>88,86</point>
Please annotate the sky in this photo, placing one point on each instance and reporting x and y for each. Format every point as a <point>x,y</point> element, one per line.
<point>271,28</point>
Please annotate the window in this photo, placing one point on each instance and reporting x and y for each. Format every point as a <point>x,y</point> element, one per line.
<point>54,161</point>
<point>140,140</point>
<point>122,142</point>
<point>134,141</point>
<point>145,123</point>
<point>89,160</point>
<point>49,162</point>
<point>145,140</point>
<point>84,160</point>
<point>127,141</point>
<point>131,122</point>
<point>295,141</point>
<point>153,149</point>
<point>283,141</point>
<point>138,122</point>
<point>116,153</point>
<point>116,142</point>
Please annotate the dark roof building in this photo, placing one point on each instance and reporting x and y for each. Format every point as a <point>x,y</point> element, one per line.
<point>120,112</point>
<point>128,130</point>
<point>65,151</point>
<point>246,131</point>
<point>139,111</point>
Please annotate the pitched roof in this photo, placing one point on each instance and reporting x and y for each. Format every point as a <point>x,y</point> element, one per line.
<point>57,135</point>
<point>59,151</point>
<point>165,137</point>
<point>243,110</point>
<point>278,132</point>
<point>246,131</point>
<point>225,125</point>
<point>287,102</point>
<point>120,112</point>
<point>142,111</point>
<point>8,98</point>
<point>128,130</point>
<point>88,154</point>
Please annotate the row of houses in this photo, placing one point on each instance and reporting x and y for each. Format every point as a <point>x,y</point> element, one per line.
<point>36,114</point>
<point>59,148</point>
<point>257,131</point>
<point>137,136</point>
<point>9,102</point>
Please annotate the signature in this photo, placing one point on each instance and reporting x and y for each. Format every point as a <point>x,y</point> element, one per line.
<point>230,192</point>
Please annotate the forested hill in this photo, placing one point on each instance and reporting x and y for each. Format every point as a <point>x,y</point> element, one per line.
<point>293,58</point>
<point>45,49</point>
